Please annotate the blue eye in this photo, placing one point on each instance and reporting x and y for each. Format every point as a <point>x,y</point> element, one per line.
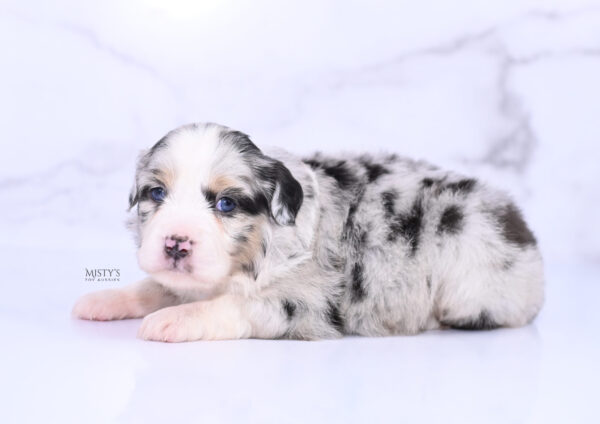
<point>225,204</point>
<point>158,194</point>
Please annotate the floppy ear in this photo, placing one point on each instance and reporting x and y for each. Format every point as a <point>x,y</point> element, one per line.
<point>287,194</point>
<point>134,194</point>
<point>284,193</point>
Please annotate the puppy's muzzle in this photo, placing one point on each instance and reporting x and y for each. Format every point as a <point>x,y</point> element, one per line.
<point>178,247</point>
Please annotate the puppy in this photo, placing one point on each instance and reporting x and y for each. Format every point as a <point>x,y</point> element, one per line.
<point>239,243</point>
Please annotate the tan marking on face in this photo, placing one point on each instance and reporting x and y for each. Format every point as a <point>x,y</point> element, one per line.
<point>221,182</point>
<point>164,174</point>
<point>167,176</point>
<point>247,252</point>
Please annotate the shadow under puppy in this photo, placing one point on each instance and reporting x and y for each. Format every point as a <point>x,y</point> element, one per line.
<point>239,244</point>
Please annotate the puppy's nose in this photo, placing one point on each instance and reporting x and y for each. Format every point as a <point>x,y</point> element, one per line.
<point>178,247</point>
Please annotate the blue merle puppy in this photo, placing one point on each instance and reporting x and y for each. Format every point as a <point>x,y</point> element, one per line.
<point>240,243</point>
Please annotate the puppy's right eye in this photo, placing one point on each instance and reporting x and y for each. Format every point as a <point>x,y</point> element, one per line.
<point>225,204</point>
<point>158,194</point>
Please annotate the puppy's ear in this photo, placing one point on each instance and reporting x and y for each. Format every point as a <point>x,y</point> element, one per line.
<point>134,194</point>
<point>287,194</point>
<point>284,193</point>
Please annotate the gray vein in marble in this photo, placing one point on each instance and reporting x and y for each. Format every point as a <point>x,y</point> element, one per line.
<point>94,40</point>
<point>511,150</point>
<point>77,165</point>
<point>515,147</point>
<point>476,37</point>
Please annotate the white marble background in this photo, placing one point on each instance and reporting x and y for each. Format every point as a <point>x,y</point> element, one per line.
<point>506,90</point>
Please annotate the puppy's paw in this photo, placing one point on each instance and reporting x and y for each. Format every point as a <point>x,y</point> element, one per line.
<point>104,305</point>
<point>171,325</point>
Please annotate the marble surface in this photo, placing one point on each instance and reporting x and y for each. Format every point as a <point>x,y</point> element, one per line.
<point>507,91</point>
<point>58,370</point>
<point>504,90</point>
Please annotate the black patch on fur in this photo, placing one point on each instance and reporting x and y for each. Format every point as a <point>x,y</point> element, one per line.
<point>159,145</point>
<point>143,163</point>
<point>290,190</point>
<point>133,198</point>
<point>513,226</point>
<point>241,141</point>
<point>290,194</point>
<point>313,163</point>
<point>242,237</point>
<point>427,182</point>
<point>361,240</point>
<point>211,197</point>
<point>483,322</point>
<point>263,246</point>
<point>408,226</point>
<point>334,317</point>
<point>351,230</point>
<point>358,288</point>
<point>373,170</point>
<point>388,200</point>
<point>289,308</point>
<point>355,234</point>
<point>272,171</point>
<point>309,191</point>
<point>251,205</point>
<point>349,225</point>
<point>436,185</point>
<point>336,169</point>
<point>451,221</point>
<point>340,172</point>
<point>439,185</point>
<point>143,193</point>
<point>250,269</point>
<point>258,204</point>
<point>428,280</point>
<point>464,186</point>
<point>395,228</point>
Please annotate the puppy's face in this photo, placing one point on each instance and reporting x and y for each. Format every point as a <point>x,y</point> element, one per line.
<point>205,196</point>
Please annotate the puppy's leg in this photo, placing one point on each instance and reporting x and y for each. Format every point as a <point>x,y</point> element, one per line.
<point>226,317</point>
<point>134,301</point>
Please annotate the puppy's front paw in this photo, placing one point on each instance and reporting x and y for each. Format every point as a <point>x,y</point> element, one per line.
<point>104,305</point>
<point>170,325</point>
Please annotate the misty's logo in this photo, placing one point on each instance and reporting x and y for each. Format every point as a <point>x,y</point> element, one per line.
<point>102,274</point>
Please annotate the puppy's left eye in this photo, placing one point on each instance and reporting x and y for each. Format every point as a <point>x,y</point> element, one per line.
<point>158,194</point>
<point>225,204</point>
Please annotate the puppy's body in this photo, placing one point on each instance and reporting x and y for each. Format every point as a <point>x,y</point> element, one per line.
<point>317,247</point>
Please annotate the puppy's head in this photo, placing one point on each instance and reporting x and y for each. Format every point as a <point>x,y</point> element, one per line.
<point>204,195</point>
